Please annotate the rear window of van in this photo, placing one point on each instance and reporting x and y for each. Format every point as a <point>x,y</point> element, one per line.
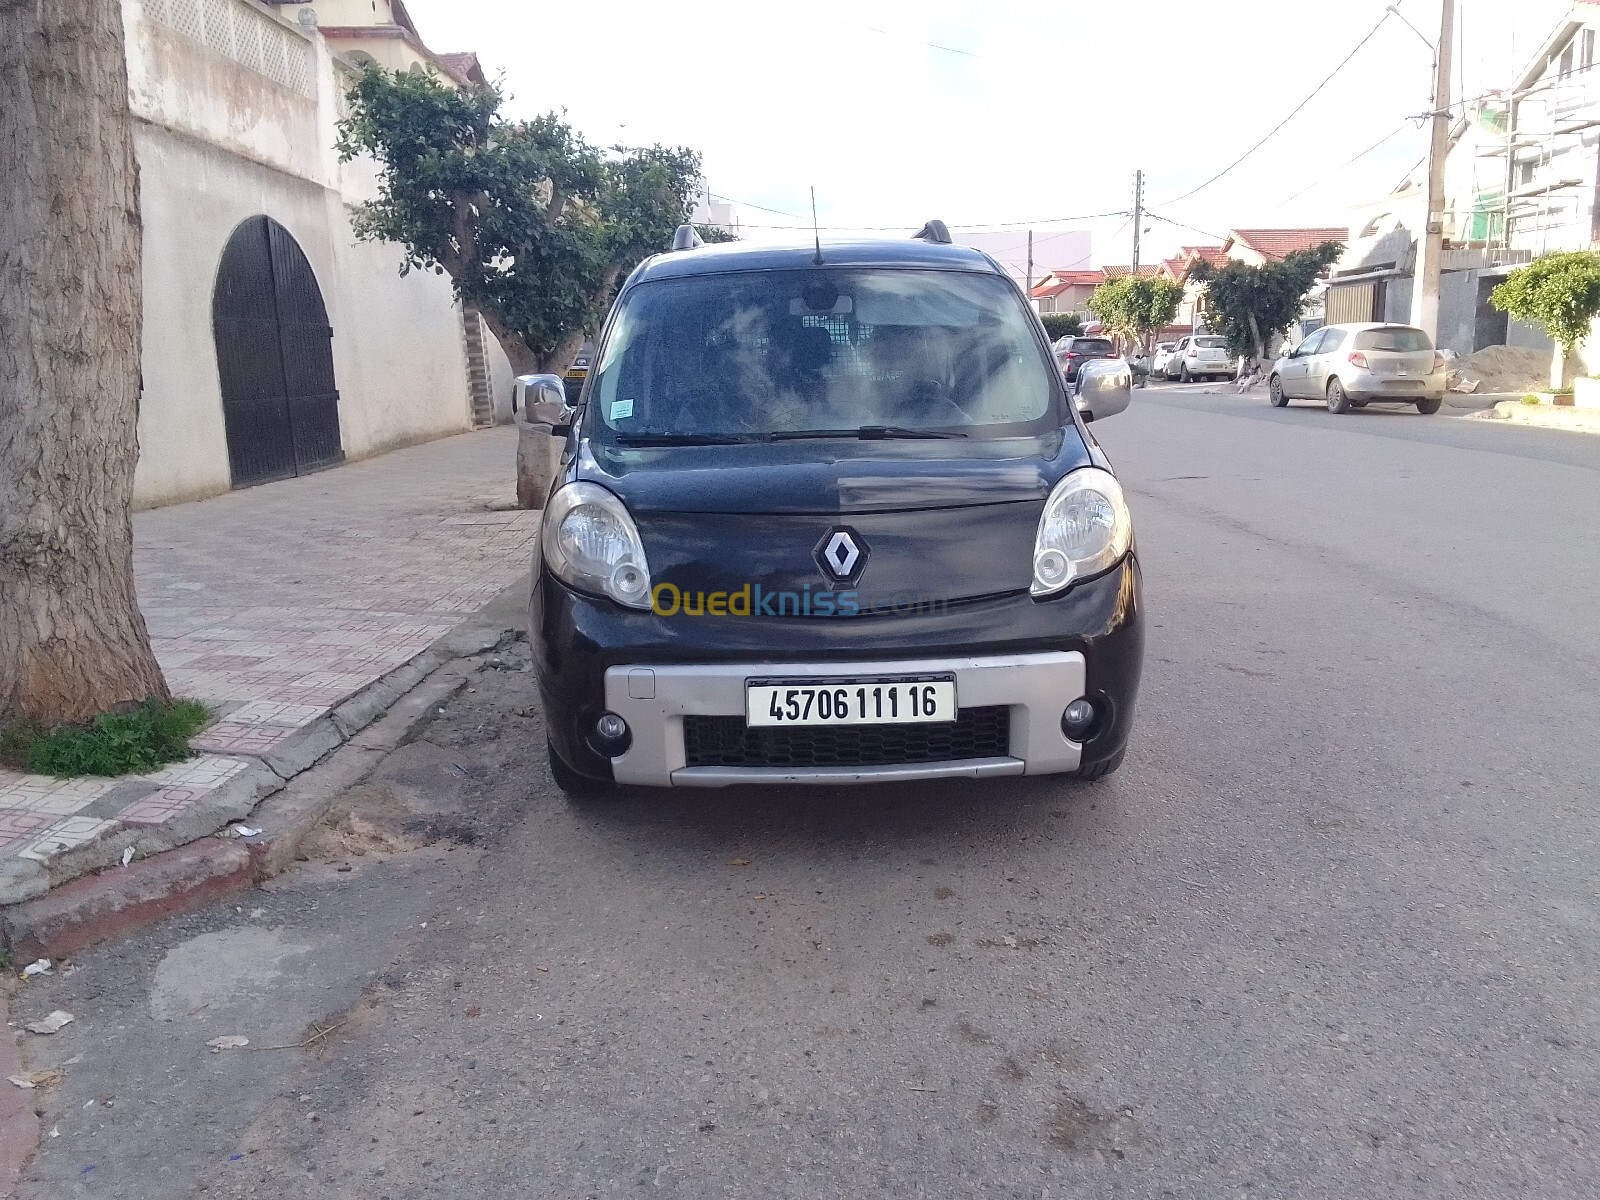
<point>1399,339</point>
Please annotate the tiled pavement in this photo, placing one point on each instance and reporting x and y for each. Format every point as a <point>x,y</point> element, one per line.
<point>274,604</point>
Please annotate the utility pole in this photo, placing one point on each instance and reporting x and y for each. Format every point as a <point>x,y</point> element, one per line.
<point>1430,246</point>
<point>1030,266</point>
<point>1138,217</point>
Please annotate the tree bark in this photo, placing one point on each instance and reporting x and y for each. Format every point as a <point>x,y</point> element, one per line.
<point>72,641</point>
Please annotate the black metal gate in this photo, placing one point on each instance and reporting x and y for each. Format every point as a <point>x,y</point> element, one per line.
<point>275,358</point>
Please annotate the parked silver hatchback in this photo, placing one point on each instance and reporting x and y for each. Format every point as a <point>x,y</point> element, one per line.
<point>1350,366</point>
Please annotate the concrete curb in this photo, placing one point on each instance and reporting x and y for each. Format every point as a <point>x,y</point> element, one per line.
<point>96,908</point>
<point>1543,416</point>
<point>288,815</point>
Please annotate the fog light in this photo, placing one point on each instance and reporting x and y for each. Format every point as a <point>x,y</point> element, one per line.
<point>1078,719</point>
<point>610,736</point>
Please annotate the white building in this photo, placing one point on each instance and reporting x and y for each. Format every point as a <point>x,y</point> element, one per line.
<point>274,342</point>
<point>1521,180</point>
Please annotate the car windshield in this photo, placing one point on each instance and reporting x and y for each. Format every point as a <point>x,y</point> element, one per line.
<point>1211,343</point>
<point>1090,346</point>
<point>1401,338</point>
<point>753,354</point>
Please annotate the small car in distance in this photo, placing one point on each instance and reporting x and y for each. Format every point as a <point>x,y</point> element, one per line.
<point>1073,351</point>
<point>1160,359</point>
<point>1200,356</point>
<point>1351,366</point>
<point>829,515</point>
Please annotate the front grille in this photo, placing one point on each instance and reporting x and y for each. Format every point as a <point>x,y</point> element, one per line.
<point>729,742</point>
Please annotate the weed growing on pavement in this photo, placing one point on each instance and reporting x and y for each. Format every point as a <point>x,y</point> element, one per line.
<point>155,733</point>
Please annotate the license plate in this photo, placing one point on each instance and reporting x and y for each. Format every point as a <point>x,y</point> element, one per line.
<point>850,701</point>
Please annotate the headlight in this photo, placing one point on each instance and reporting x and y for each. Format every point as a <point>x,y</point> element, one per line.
<point>1085,529</point>
<point>591,542</point>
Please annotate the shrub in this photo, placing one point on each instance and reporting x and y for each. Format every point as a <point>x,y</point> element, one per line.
<point>1060,325</point>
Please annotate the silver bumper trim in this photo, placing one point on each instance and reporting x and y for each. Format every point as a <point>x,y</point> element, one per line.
<point>654,699</point>
<point>966,768</point>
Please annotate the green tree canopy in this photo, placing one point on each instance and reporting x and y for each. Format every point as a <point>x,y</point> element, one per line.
<point>533,225</point>
<point>1060,325</point>
<point>1249,305</point>
<point>1559,291</point>
<point>715,233</point>
<point>1134,307</point>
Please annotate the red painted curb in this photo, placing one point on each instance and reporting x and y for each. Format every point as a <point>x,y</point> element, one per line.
<point>19,1124</point>
<point>88,911</point>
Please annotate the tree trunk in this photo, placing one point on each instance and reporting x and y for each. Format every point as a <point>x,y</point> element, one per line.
<point>72,640</point>
<point>1256,340</point>
<point>1560,366</point>
<point>559,359</point>
<point>523,360</point>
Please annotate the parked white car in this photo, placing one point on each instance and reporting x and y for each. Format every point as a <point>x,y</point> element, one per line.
<point>1350,366</point>
<point>1160,359</point>
<point>1200,356</point>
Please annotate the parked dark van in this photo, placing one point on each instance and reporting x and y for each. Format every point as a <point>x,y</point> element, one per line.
<point>827,514</point>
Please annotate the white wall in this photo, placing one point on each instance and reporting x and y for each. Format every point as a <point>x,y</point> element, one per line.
<point>219,141</point>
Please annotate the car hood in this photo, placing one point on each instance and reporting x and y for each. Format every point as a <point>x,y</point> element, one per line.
<point>940,520</point>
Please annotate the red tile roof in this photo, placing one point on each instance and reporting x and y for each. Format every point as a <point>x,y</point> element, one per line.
<point>1279,243</point>
<point>1057,282</point>
<point>464,66</point>
<point>1146,270</point>
<point>1215,255</point>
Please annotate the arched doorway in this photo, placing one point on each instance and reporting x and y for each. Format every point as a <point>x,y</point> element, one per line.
<point>274,357</point>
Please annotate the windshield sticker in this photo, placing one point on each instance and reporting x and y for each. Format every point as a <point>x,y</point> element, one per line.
<point>621,409</point>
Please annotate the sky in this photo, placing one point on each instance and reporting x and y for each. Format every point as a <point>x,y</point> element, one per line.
<point>1001,114</point>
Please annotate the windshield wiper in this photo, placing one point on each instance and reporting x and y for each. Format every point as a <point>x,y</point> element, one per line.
<point>864,432</point>
<point>681,439</point>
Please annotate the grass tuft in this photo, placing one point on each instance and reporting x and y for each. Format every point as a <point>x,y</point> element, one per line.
<point>155,733</point>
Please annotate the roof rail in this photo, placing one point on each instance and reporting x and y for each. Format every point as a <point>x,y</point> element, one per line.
<point>687,238</point>
<point>936,232</point>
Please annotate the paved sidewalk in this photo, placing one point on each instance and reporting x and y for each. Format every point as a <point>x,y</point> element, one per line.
<point>275,605</point>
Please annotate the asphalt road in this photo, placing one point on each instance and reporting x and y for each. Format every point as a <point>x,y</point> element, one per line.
<point>1331,931</point>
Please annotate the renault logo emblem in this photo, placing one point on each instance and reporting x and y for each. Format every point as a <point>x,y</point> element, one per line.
<point>841,555</point>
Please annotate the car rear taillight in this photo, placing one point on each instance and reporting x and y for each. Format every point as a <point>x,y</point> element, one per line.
<point>1358,360</point>
<point>1438,361</point>
<point>1072,354</point>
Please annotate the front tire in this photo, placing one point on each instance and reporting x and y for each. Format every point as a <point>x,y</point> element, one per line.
<point>1430,406</point>
<point>1275,392</point>
<point>577,787</point>
<point>1338,400</point>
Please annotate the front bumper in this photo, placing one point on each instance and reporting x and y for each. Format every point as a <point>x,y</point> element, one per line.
<point>1032,656</point>
<point>655,700</point>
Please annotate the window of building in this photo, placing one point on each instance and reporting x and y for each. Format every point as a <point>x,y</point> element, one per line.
<point>1566,61</point>
<point>1586,52</point>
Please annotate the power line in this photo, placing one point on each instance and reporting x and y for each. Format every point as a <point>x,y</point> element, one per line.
<point>976,226</point>
<point>908,38</point>
<point>1292,113</point>
<point>1221,237</point>
<point>1388,137</point>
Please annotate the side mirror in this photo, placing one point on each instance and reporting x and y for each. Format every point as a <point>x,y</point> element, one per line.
<point>1105,388</point>
<point>543,404</point>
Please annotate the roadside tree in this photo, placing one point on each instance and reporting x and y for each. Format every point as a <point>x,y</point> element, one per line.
<point>1060,325</point>
<point>72,641</point>
<point>1134,308</point>
<point>534,226</point>
<point>1251,305</point>
<point>1560,292</point>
